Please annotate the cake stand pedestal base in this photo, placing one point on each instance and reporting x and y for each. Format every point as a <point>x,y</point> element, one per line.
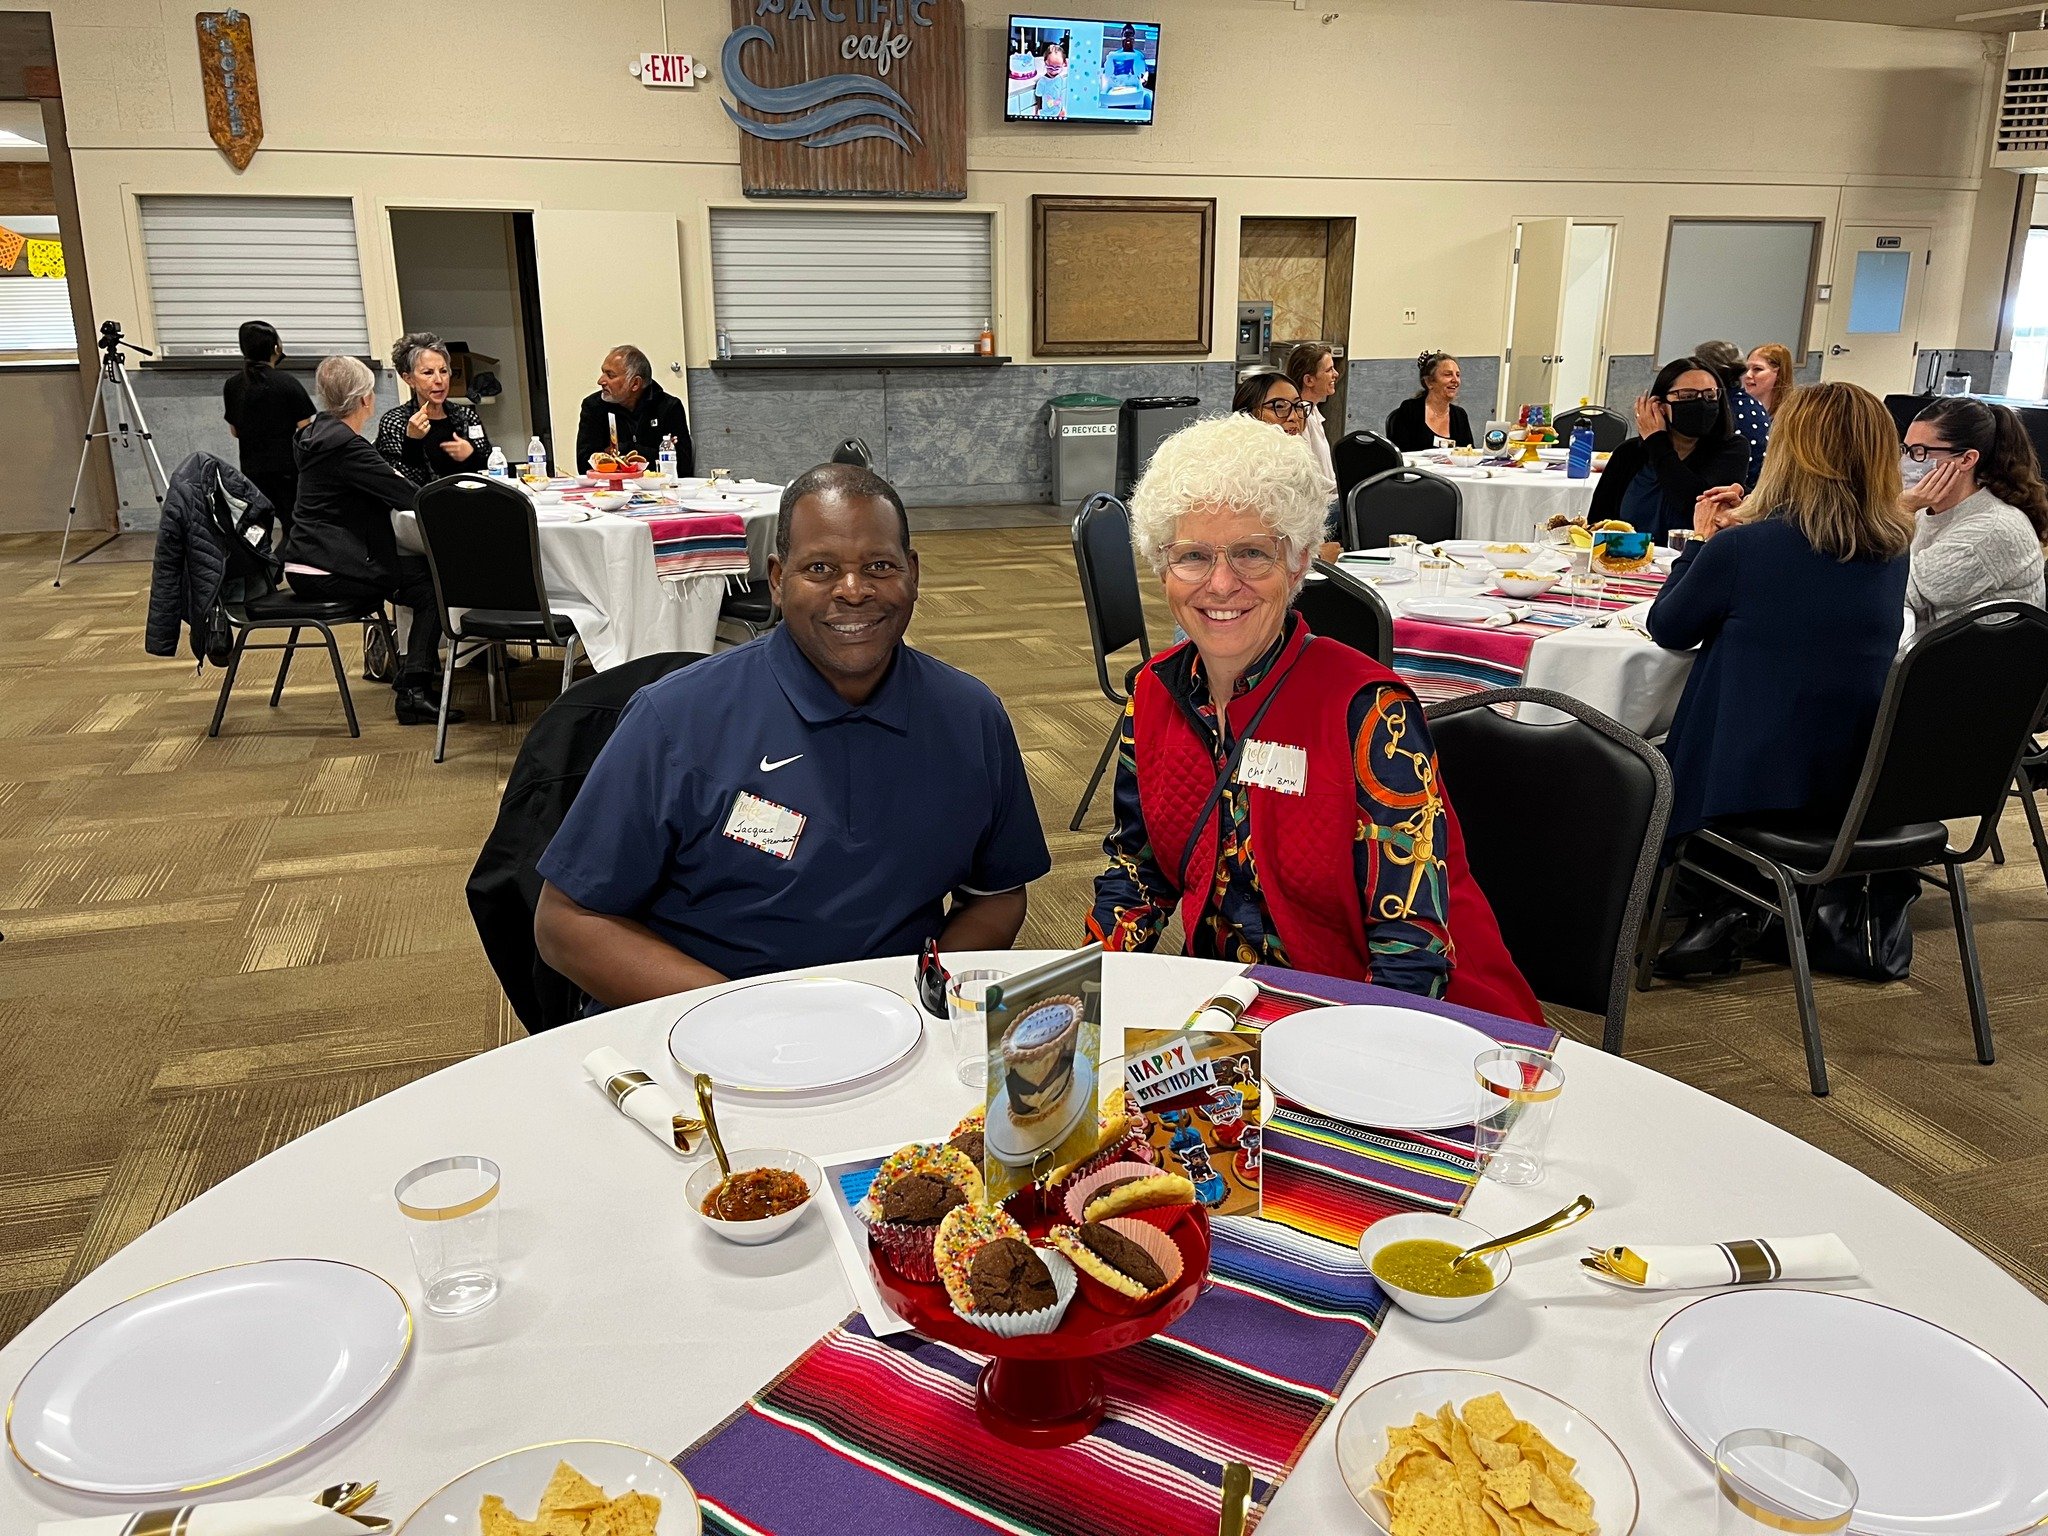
<point>1039,1403</point>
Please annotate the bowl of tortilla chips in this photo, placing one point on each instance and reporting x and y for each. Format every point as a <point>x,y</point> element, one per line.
<point>568,1488</point>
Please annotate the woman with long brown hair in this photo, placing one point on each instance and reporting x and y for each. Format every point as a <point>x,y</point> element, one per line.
<point>1795,598</point>
<point>1980,511</point>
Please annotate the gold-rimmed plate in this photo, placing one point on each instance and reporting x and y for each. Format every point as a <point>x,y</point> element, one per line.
<point>209,1378</point>
<point>518,1477</point>
<point>796,1035</point>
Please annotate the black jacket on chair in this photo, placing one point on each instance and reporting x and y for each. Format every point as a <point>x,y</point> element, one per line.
<point>347,491</point>
<point>553,762</point>
<point>192,566</point>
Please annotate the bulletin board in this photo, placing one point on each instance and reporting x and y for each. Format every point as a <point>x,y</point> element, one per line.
<point>1113,275</point>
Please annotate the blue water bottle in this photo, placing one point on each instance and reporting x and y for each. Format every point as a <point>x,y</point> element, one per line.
<point>1579,463</point>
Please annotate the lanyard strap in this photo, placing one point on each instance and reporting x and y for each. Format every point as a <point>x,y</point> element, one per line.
<point>1230,765</point>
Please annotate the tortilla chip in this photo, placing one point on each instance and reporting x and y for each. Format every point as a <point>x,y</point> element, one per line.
<point>630,1514</point>
<point>569,1491</point>
<point>1493,1454</point>
<point>1510,1485</point>
<point>497,1520</point>
<point>1467,1462</point>
<point>1573,1511</point>
<point>1490,1416</point>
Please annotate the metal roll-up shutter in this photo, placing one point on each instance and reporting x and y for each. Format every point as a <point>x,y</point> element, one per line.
<point>35,316</point>
<point>217,261</point>
<point>815,281</point>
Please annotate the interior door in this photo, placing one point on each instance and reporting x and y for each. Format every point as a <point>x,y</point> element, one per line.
<point>1874,314</point>
<point>1536,314</point>
<point>606,279</point>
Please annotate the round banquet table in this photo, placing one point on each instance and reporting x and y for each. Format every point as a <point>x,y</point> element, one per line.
<point>622,1317</point>
<point>1506,504</point>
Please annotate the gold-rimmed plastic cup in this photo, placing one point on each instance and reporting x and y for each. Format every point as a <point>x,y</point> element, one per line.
<point>967,1011</point>
<point>1403,546</point>
<point>1516,1092</point>
<point>450,1208</point>
<point>1773,1483</point>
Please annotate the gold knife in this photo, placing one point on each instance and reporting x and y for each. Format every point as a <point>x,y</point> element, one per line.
<point>1237,1494</point>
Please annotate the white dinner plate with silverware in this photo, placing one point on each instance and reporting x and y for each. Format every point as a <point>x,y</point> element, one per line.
<point>1451,610</point>
<point>801,1034</point>
<point>1400,1069</point>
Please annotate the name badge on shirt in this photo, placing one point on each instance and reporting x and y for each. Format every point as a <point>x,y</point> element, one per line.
<point>476,433</point>
<point>1274,765</point>
<point>764,825</point>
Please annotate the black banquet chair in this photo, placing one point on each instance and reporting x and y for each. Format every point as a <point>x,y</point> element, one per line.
<point>1340,606</point>
<point>483,546</point>
<point>1358,456</point>
<point>1402,501</point>
<point>854,451</point>
<point>1951,729</point>
<point>1116,613</point>
<point>1610,428</point>
<point>1571,917</point>
<point>2027,786</point>
<point>285,610</point>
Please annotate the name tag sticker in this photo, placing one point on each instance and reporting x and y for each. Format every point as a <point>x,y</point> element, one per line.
<point>476,434</point>
<point>1274,765</point>
<point>764,825</point>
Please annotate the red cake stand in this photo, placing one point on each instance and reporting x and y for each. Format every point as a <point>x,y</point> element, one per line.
<point>1046,1389</point>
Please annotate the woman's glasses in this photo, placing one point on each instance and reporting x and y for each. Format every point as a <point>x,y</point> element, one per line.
<point>1280,410</point>
<point>1252,559</point>
<point>1918,452</point>
<point>1680,396</point>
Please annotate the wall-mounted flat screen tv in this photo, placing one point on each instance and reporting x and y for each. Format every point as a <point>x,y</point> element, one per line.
<point>1067,70</point>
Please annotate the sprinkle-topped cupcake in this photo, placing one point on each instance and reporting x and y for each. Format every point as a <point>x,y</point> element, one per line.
<point>913,1191</point>
<point>996,1279</point>
<point>967,1135</point>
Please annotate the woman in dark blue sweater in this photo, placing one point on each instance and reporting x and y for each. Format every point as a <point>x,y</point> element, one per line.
<point>1796,601</point>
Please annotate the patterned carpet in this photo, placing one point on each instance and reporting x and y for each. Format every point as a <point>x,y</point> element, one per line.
<point>213,946</point>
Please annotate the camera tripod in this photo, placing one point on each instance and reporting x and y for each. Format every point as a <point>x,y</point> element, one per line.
<point>113,370</point>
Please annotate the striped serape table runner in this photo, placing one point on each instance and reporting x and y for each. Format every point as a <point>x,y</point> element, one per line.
<point>698,543</point>
<point>879,1434</point>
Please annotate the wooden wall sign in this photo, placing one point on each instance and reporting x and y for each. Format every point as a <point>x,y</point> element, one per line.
<point>1116,275</point>
<point>227,69</point>
<point>849,98</point>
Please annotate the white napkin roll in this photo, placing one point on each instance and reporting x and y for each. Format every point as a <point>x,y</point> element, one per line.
<point>1747,1261</point>
<point>1221,1013</point>
<point>274,1516</point>
<point>640,1098</point>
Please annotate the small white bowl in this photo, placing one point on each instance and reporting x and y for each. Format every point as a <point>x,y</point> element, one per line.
<point>1528,583</point>
<point>1510,557</point>
<point>610,501</point>
<point>1442,1229</point>
<point>768,1228</point>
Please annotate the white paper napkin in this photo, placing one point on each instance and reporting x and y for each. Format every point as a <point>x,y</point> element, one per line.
<point>641,1099</point>
<point>1746,1261</point>
<point>273,1516</point>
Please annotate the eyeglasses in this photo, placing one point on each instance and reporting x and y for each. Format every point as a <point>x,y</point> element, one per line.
<point>1918,452</point>
<point>1680,396</point>
<point>1285,408</point>
<point>1253,559</point>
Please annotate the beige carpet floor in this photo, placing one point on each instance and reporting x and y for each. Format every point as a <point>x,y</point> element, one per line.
<point>211,946</point>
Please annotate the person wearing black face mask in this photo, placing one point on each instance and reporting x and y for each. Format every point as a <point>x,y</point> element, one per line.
<point>1688,444</point>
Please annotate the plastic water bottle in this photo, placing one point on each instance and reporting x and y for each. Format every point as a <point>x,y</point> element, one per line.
<point>724,344</point>
<point>665,461</point>
<point>496,467</point>
<point>536,458</point>
<point>1579,462</point>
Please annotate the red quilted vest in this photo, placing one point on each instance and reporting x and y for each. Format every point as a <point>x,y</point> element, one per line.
<point>1302,844</point>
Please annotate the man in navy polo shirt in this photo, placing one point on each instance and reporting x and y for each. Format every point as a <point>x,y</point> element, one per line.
<point>824,793</point>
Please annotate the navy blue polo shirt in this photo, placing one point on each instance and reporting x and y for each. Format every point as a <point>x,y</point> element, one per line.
<point>687,821</point>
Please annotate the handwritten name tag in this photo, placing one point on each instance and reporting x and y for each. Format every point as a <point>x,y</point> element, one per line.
<point>1275,766</point>
<point>764,825</point>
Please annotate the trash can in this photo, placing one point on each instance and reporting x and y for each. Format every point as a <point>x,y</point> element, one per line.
<point>1083,430</point>
<point>1142,425</point>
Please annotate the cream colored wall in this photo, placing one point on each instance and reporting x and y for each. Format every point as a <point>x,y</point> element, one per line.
<point>1438,123</point>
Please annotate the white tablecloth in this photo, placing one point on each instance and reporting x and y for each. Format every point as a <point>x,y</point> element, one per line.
<point>1626,676</point>
<point>623,1318</point>
<point>1505,504</point>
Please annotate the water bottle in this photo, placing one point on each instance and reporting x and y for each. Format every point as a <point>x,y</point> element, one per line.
<point>536,458</point>
<point>1579,464</point>
<point>665,461</point>
<point>495,466</point>
<point>724,344</point>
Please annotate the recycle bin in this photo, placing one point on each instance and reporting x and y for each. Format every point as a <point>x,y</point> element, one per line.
<point>1084,438</point>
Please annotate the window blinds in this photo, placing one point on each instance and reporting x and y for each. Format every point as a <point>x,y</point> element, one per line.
<point>815,281</point>
<point>35,316</point>
<point>217,261</point>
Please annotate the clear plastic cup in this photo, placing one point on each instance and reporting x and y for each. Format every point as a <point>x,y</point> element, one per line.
<point>967,1009</point>
<point>1403,546</point>
<point>1771,1483</point>
<point>451,1218</point>
<point>1515,1099</point>
<point>1432,576</point>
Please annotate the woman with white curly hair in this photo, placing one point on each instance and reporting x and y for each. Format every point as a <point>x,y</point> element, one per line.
<point>1281,791</point>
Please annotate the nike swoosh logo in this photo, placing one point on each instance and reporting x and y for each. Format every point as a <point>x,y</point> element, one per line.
<point>783,762</point>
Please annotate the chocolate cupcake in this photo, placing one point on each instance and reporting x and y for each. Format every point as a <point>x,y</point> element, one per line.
<point>1125,1265</point>
<point>967,1135</point>
<point>914,1189</point>
<point>1008,1276</point>
<point>1038,1058</point>
<point>995,1279</point>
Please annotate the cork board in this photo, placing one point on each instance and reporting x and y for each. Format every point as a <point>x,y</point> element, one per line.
<point>1114,275</point>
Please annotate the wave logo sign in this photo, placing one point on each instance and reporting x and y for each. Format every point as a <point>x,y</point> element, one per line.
<point>828,109</point>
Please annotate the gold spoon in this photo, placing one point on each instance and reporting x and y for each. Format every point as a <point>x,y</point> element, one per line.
<point>1237,1493</point>
<point>703,1086</point>
<point>1557,1221</point>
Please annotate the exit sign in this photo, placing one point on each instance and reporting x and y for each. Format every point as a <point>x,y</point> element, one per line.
<point>667,69</point>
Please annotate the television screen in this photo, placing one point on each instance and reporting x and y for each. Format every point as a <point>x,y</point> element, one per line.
<point>1066,70</point>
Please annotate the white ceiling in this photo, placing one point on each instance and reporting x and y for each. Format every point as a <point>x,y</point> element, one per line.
<point>1898,13</point>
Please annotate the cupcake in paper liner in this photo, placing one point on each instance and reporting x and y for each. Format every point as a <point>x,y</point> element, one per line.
<point>1126,1266</point>
<point>1120,1136</point>
<point>914,1189</point>
<point>966,1137</point>
<point>1139,1191</point>
<point>996,1280</point>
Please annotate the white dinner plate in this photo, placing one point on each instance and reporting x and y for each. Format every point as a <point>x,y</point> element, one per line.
<point>699,501</point>
<point>1399,1069</point>
<point>802,1034</point>
<point>1943,1438</point>
<point>209,1378</point>
<point>520,1477</point>
<point>1464,549</point>
<point>1362,1438</point>
<point>1451,610</point>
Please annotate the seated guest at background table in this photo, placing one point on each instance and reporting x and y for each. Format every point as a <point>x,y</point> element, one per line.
<point>1767,383</point>
<point>1431,417</point>
<point>630,413</point>
<point>265,409</point>
<point>342,546</point>
<point>1271,398</point>
<point>1280,791</point>
<point>811,797</point>
<point>1312,370</point>
<point>1795,598</point>
<point>429,435</point>
<point>1979,508</point>
<point>1752,418</point>
<point>1688,444</point>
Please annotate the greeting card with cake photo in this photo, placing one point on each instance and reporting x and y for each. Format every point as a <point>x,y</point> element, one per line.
<point>1200,1094</point>
<point>1044,1056</point>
